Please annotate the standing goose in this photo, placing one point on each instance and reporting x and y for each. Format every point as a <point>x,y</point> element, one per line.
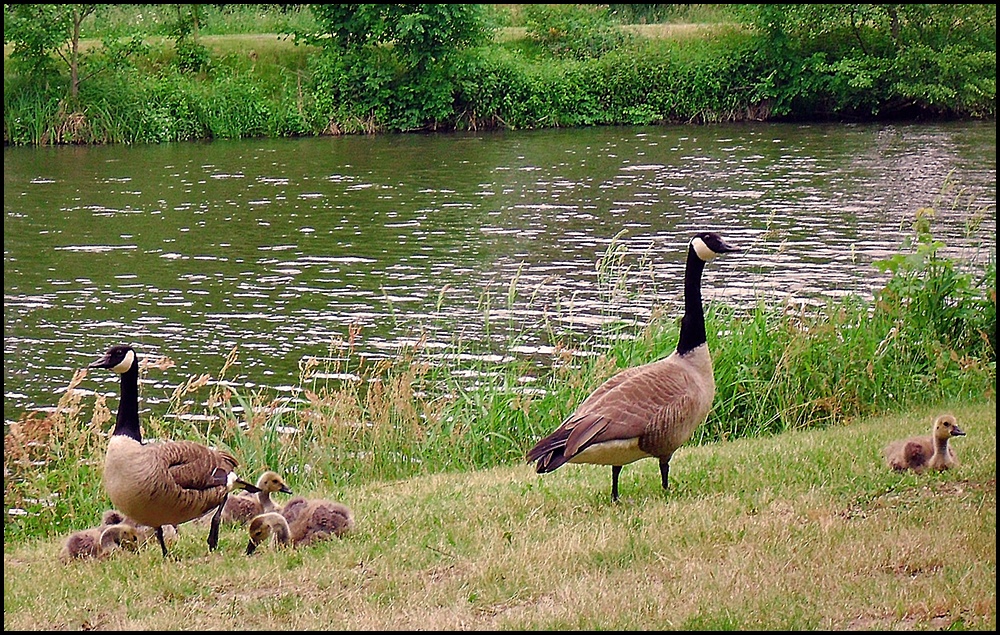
<point>166,482</point>
<point>646,411</point>
<point>928,451</point>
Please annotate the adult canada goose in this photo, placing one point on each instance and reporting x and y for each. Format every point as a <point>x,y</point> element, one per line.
<point>308,520</point>
<point>241,508</point>
<point>99,542</point>
<point>645,411</point>
<point>928,451</point>
<point>166,482</point>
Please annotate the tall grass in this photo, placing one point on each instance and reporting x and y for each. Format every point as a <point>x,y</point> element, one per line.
<point>928,336</point>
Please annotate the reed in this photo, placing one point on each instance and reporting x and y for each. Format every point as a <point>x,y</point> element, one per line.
<point>353,419</point>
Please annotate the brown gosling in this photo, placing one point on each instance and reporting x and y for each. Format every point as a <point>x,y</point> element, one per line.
<point>145,532</point>
<point>99,542</point>
<point>265,526</point>
<point>928,451</point>
<point>307,521</point>
<point>166,482</point>
<point>240,509</point>
<point>645,411</point>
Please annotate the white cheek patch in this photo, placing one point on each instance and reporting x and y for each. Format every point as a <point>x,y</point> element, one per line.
<point>125,364</point>
<point>704,251</point>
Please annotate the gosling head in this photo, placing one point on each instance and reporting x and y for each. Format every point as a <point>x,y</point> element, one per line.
<point>112,517</point>
<point>945,427</point>
<point>272,482</point>
<point>263,526</point>
<point>121,536</point>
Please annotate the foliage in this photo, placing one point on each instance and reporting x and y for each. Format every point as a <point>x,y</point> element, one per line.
<point>866,60</point>
<point>574,30</point>
<point>374,68</point>
<point>937,305</point>
<point>389,66</point>
<point>37,31</point>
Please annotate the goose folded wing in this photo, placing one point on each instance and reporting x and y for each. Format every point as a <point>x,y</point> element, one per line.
<point>193,466</point>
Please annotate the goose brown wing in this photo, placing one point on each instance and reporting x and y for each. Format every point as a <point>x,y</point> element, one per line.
<point>193,466</point>
<point>612,384</point>
<point>581,427</point>
<point>624,407</point>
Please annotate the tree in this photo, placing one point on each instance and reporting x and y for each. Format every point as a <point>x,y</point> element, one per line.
<point>39,31</point>
<point>875,59</point>
<point>391,64</point>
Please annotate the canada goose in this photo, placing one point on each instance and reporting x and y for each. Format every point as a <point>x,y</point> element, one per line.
<point>162,483</point>
<point>241,508</point>
<point>99,542</point>
<point>645,411</point>
<point>926,452</point>
<point>307,520</point>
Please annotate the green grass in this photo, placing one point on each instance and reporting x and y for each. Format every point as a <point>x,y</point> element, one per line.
<point>803,530</point>
<point>781,513</point>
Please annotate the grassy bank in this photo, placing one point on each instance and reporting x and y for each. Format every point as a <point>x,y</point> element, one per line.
<point>803,530</point>
<point>930,336</point>
<point>535,66</point>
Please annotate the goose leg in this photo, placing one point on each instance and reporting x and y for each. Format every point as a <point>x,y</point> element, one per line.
<point>163,544</point>
<point>213,532</point>
<point>664,471</point>
<point>615,471</point>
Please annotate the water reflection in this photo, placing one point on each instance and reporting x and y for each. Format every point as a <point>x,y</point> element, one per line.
<point>281,247</point>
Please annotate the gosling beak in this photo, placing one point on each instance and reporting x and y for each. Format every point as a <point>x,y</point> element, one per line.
<point>957,432</point>
<point>285,489</point>
<point>251,547</point>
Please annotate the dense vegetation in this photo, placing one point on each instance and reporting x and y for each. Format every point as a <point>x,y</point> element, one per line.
<point>156,73</point>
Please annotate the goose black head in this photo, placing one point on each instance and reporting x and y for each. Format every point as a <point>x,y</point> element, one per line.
<point>119,358</point>
<point>708,245</point>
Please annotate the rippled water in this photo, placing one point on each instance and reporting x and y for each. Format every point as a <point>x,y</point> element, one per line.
<point>281,247</point>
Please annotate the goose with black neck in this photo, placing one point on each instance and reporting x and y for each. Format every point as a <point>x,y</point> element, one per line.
<point>646,411</point>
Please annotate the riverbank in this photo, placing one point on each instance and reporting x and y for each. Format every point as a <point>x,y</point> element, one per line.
<point>574,68</point>
<point>806,530</point>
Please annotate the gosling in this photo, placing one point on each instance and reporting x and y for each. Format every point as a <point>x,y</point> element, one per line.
<point>145,532</point>
<point>99,542</point>
<point>302,521</point>
<point>239,509</point>
<point>265,526</point>
<point>926,452</point>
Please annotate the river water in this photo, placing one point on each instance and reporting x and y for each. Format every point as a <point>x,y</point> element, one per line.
<point>502,242</point>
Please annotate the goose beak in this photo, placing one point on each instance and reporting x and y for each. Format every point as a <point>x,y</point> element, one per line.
<point>104,362</point>
<point>726,248</point>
